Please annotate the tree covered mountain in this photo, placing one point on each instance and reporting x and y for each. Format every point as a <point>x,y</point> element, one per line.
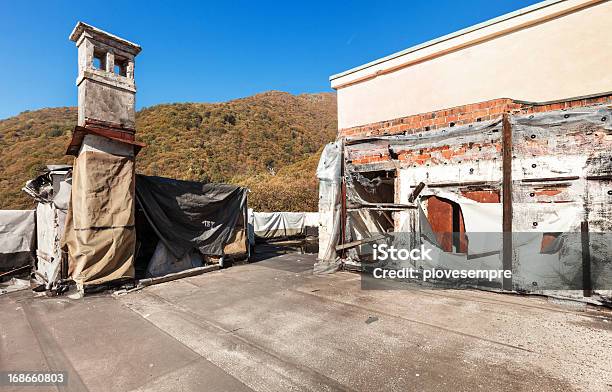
<point>269,142</point>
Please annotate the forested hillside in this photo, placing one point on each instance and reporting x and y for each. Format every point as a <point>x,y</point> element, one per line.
<point>269,142</point>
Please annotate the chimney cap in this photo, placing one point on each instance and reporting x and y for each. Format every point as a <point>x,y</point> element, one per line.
<point>103,36</point>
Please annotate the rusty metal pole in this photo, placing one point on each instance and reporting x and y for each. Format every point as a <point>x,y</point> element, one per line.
<point>343,208</point>
<point>507,198</point>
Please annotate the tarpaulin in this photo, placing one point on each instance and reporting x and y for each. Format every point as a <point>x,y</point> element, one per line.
<point>311,219</point>
<point>17,229</point>
<point>278,224</point>
<point>191,215</point>
<point>100,235</point>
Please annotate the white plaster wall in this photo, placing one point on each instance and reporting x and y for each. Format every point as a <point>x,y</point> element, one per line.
<point>565,57</point>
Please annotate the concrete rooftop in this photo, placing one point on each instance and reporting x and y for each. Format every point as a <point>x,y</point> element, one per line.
<point>273,326</point>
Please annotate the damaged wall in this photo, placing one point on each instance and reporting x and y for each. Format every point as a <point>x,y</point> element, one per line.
<point>561,173</point>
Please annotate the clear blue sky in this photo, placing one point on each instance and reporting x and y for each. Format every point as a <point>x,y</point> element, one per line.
<point>216,51</point>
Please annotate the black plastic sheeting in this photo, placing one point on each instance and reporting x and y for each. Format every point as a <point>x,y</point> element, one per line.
<point>191,215</point>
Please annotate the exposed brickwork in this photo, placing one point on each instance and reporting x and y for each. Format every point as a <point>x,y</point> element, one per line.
<point>383,157</point>
<point>462,115</point>
<point>436,155</point>
<point>606,99</point>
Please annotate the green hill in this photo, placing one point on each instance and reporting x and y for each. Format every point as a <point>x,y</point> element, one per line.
<point>269,142</point>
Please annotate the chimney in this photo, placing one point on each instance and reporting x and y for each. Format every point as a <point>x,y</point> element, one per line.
<point>100,231</point>
<point>107,92</point>
<point>106,77</point>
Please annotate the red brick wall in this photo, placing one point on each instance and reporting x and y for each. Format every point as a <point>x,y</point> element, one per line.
<point>462,115</point>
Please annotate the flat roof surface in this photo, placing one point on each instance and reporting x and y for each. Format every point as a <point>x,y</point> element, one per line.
<point>273,325</point>
<point>447,37</point>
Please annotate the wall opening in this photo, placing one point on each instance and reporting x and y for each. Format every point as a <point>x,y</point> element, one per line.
<point>375,186</point>
<point>99,60</point>
<point>446,220</point>
<point>120,66</point>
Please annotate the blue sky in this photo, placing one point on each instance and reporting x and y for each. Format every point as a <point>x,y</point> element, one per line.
<point>215,51</point>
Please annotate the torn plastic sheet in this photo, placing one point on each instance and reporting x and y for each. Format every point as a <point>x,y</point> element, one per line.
<point>536,268</point>
<point>330,218</point>
<point>330,163</point>
<point>52,190</point>
<point>437,259</point>
<point>330,182</point>
<point>477,217</point>
<point>363,191</point>
<point>45,187</point>
<point>566,151</point>
<point>487,218</point>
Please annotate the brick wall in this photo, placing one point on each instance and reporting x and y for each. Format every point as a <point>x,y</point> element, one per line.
<point>462,115</point>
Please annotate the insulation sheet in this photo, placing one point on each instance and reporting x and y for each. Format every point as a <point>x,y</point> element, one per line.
<point>100,235</point>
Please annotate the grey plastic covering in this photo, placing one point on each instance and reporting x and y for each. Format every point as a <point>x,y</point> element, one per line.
<point>330,164</point>
<point>330,184</point>
<point>163,262</point>
<point>269,225</point>
<point>191,215</point>
<point>278,224</point>
<point>16,231</point>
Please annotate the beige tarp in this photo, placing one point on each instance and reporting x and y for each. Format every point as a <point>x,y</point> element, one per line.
<point>100,234</point>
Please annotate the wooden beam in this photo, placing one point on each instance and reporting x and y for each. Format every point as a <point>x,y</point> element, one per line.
<point>16,270</point>
<point>415,193</point>
<point>384,213</point>
<point>547,179</point>
<point>507,198</point>
<point>466,183</point>
<point>354,244</point>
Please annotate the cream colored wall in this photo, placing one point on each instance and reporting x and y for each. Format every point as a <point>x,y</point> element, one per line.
<point>568,56</point>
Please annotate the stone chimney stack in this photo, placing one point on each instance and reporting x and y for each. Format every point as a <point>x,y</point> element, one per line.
<point>100,233</point>
<point>106,78</point>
